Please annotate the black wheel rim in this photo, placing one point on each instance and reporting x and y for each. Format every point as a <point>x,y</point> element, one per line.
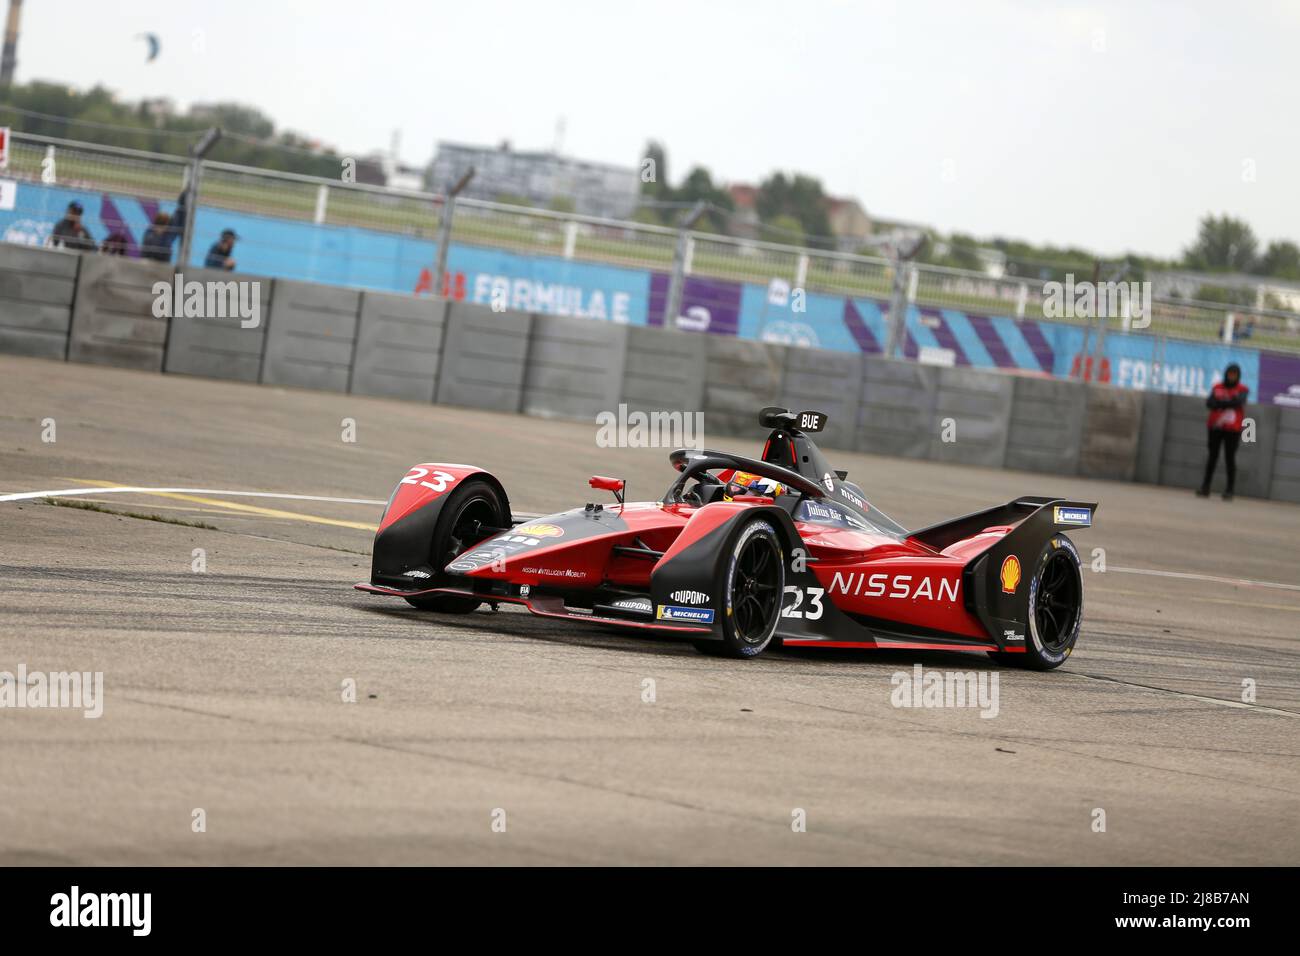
<point>1056,607</point>
<point>755,591</point>
<point>466,528</point>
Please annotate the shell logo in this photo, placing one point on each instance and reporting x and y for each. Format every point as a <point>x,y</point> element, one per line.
<point>540,530</point>
<point>1010,574</point>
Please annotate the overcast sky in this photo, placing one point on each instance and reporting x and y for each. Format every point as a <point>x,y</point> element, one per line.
<point>1115,126</point>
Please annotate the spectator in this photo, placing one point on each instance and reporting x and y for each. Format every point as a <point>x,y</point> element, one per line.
<point>159,238</point>
<point>116,244</point>
<point>1227,405</point>
<point>70,233</point>
<point>219,255</point>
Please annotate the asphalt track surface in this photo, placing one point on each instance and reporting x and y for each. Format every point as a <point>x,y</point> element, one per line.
<point>223,689</point>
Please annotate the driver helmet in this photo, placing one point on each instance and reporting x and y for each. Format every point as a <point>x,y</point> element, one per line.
<point>744,483</point>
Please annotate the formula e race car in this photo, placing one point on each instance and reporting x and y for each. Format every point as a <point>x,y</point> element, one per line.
<point>742,553</point>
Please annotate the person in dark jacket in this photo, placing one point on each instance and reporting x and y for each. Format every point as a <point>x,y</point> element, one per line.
<point>219,255</point>
<point>1227,405</point>
<point>70,233</point>
<point>162,235</point>
<point>115,244</point>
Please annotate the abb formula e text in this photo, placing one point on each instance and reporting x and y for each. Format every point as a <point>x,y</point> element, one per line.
<point>741,553</point>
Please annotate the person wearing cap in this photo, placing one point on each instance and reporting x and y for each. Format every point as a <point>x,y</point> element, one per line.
<point>70,233</point>
<point>162,235</point>
<point>1227,405</point>
<point>219,255</point>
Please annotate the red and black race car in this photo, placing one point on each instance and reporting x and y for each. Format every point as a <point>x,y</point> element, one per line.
<point>741,553</point>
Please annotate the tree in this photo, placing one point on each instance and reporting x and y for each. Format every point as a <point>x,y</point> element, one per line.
<point>697,187</point>
<point>1281,260</point>
<point>1222,245</point>
<point>1225,295</point>
<point>799,197</point>
<point>784,229</point>
<point>104,120</point>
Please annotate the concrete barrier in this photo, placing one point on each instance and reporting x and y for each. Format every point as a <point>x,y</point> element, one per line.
<point>310,336</point>
<point>1256,459</point>
<point>1186,448</point>
<point>663,371</point>
<point>1151,437</point>
<point>977,404</point>
<point>1112,423</point>
<point>1285,483</point>
<point>1045,431</point>
<point>101,309</point>
<point>896,413</point>
<point>574,367</point>
<point>36,292</point>
<point>399,346</point>
<point>740,377</point>
<point>829,382</point>
<point>484,354</point>
<point>218,345</point>
<point>113,321</point>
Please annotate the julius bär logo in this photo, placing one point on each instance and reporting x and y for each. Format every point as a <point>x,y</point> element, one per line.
<point>1010,574</point>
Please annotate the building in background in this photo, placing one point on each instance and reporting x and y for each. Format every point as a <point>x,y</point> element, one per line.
<point>160,109</point>
<point>850,224</point>
<point>745,223</point>
<point>538,179</point>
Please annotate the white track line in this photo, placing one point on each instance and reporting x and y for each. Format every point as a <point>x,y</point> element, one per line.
<point>131,489</point>
<point>1240,705</point>
<point>1189,576</point>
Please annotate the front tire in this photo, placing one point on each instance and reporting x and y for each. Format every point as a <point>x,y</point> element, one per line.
<point>752,583</point>
<point>471,505</point>
<point>1055,607</point>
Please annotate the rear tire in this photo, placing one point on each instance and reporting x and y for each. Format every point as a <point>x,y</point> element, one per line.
<point>1055,608</point>
<point>752,582</point>
<point>472,503</point>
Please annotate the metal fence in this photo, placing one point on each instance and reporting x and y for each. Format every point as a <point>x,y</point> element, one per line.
<point>402,213</point>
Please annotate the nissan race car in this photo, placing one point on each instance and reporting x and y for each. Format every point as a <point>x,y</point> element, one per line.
<point>744,553</point>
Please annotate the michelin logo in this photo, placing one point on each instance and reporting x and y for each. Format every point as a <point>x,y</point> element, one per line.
<point>696,615</point>
<point>1079,516</point>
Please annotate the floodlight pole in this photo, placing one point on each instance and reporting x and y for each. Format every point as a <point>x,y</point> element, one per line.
<point>902,252</point>
<point>197,152</point>
<point>673,301</point>
<point>444,229</point>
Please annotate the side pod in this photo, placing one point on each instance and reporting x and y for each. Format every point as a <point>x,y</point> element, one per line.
<point>1002,602</point>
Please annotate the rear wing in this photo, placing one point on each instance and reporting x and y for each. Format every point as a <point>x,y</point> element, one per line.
<point>995,583</point>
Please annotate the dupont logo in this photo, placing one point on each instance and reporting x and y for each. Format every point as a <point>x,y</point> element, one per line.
<point>696,615</point>
<point>690,597</point>
<point>1078,516</point>
<point>633,604</point>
